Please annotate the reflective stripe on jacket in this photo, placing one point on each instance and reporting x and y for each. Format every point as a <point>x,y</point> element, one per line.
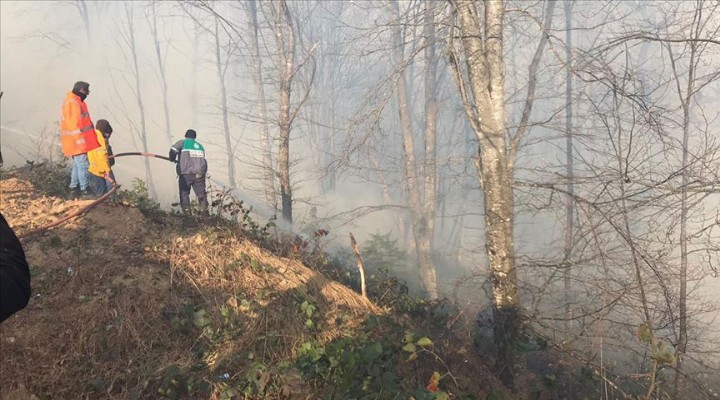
<point>77,133</point>
<point>190,155</point>
<point>98,158</point>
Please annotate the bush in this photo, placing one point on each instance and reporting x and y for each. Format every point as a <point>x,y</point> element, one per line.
<point>138,197</point>
<point>382,253</point>
<point>52,179</point>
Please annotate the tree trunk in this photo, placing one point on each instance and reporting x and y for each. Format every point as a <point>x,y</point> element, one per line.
<point>229,148</point>
<point>163,78</point>
<point>329,140</point>
<point>629,237</point>
<point>268,176</point>
<point>426,233</point>
<point>194,85</point>
<point>83,10</point>
<point>138,96</point>
<point>422,226</point>
<point>285,37</point>
<point>483,49</point>
<point>682,339</point>
<point>569,172</point>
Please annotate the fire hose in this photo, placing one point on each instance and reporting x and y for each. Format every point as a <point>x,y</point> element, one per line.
<point>141,153</point>
<point>83,210</point>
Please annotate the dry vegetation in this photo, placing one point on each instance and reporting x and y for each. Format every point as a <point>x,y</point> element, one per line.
<point>128,304</point>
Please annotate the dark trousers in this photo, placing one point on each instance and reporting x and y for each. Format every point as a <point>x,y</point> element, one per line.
<point>197,183</point>
<point>99,185</point>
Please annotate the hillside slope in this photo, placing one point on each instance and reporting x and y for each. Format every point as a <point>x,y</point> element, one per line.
<point>130,305</point>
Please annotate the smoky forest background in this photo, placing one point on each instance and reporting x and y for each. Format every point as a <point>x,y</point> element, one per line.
<point>546,166</point>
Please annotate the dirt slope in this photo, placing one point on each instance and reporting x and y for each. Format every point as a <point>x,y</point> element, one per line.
<point>101,282</point>
<point>128,306</point>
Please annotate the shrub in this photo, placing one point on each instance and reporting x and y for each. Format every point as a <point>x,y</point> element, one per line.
<point>138,197</point>
<point>52,179</point>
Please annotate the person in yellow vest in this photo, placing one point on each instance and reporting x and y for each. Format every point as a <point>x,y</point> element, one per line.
<point>77,136</point>
<point>101,179</point>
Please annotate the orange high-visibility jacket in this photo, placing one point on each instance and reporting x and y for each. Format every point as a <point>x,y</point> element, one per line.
<point>77,133</point>
<point>98,158</point>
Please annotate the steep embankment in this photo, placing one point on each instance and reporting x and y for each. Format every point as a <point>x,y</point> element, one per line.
<point>151,305</point>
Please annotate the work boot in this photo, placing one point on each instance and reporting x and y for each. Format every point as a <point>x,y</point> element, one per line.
<point>75,193</point>
<point>87,195</point>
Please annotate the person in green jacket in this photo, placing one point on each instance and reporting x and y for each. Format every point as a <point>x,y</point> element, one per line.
<point>191,168</point>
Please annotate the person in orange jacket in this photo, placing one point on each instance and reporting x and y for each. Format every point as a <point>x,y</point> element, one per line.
<point>101,178</point>
<point>77,136</point>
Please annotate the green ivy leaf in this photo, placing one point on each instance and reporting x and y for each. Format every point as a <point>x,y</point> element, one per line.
<point>442,396</point>
<point>308,308</point>
<point>643,333</point>
<point>664,354</point>
<point>373,351</point>
<point>225,311</point>
<point>200,318</point>
<point>424,342</point>
<point>409,337</point>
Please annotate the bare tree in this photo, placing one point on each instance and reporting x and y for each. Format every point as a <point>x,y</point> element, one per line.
<point>194,83</point>
<point>480,82</point>
<point>287,69</point>
<point>224,49</point>
<point>644,202</point>
<point>160,58</point>
<point>692,52</point>
<point>128,37</point>
<point>82,8</point>
<point>285,37</point>
<point>326,105</point>
<point>221,67</point>
<point>569,171</point>
<point>482,46</point>
<point>268,174</point>
<point>421,186</point>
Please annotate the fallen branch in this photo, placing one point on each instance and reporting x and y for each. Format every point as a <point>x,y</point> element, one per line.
<point>354,245</point>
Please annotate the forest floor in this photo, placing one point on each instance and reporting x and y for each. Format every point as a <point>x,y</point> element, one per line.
<point>131,303</point>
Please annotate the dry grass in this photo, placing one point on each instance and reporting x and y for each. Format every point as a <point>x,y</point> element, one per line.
<point>116,297</point>
<point>107,286</point>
